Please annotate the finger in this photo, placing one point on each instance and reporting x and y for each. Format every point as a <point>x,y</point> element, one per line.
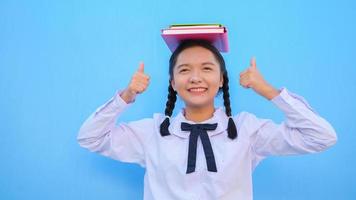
<point>243,85</point>
<point>244,72</point>
<point>142,76</point>
<point>143,82</point>
<point>253,62</point>
<point>138,76</point>
<point>142,88</point>
<point>138,89</point>
<point>141,67</point>
<point>245,81</point>
<point>141,85</point>
<point>245,76</point>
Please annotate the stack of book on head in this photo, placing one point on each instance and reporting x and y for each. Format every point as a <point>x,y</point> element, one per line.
<point>214,33</point>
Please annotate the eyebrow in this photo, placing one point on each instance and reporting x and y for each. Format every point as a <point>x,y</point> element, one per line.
<point>208,63</point>
<point>182,65</point>
<point>185,64</point>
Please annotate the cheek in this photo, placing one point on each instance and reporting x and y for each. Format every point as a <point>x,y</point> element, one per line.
<point>180,82</point>
<point>214,81</point>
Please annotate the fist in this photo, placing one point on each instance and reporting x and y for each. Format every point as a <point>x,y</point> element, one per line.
<point>251,77</point>
<point>138,84</point>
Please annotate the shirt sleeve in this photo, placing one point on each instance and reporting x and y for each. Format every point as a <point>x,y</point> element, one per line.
<point>303,130</point>
<point>123,142</point>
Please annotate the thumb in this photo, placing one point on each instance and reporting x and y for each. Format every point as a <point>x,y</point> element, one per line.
<point>141,67</point>
<point>253,62</point>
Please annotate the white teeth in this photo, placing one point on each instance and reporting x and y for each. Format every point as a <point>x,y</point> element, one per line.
<point>197,89</point>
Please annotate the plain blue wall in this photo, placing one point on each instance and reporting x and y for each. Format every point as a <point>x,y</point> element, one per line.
<point>60,60</point>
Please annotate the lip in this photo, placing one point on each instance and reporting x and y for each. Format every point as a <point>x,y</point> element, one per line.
<point>197,90</point>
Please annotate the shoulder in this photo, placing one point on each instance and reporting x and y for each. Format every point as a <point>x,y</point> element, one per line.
<point>144,129</point>
<point>244,117</point>
<point>158,119</point>
<point>249,122</point>
<point>149,122</point>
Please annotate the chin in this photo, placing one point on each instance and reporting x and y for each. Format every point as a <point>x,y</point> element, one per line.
<point>197,104</point>
<point>197,101</point>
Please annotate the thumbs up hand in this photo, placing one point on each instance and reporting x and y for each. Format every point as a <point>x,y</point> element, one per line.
<point>138,84</point>
<point>252,78</point>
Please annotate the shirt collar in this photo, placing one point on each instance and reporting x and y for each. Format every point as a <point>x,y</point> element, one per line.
<point>218,117</point>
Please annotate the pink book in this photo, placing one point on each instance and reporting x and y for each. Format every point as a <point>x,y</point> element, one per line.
<point>217,36</point>
<point>192,30</point>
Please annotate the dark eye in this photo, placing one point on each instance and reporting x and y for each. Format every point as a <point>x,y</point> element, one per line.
<point>207,68</point>
<point>183,70</point>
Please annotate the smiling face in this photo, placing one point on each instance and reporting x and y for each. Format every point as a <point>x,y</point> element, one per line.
<point>197,77</point>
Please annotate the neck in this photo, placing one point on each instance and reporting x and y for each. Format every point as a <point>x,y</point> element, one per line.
<point>199,114</point>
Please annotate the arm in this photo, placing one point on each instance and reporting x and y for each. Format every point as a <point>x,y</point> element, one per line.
<point>303,130</point>
<point>124,142</point>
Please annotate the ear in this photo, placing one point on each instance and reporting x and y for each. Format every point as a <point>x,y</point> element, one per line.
<point>221,81</point>
<point>173,84</point>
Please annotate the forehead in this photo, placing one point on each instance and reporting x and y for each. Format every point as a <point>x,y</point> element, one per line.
<point>195,55</point>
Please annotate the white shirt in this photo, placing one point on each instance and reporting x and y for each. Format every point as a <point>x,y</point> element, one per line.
<point>165,158</point>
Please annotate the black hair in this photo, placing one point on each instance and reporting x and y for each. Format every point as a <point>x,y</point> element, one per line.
<point>172,95</point>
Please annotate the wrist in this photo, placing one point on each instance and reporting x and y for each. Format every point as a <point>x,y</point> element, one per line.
<point>127,96</point>
<point>269,92</point>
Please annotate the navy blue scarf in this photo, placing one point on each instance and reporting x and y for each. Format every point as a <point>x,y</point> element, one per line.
<point>196,131</point>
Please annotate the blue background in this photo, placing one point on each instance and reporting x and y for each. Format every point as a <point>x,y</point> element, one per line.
<point>60,60</point>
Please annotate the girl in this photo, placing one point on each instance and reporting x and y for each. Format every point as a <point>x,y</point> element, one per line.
<point>204,152</point>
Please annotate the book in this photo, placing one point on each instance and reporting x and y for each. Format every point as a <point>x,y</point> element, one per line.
<point>192,30</point>
<point>214,33</point>
<point>193,26</point>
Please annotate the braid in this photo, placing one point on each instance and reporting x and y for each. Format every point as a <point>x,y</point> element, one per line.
<point>231,128</point>
<point>226,95</point>
<point>172,97</point>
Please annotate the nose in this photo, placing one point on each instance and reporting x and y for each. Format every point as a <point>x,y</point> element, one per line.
<point>195,77</point>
